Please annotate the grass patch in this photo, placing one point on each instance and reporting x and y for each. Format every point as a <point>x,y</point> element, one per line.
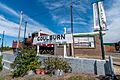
<point>37,78</point>
<point>2,78</point>
<point>80,78</point>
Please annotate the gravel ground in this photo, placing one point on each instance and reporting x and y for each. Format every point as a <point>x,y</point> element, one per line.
<point>6,74</point>
<point>117,70</point>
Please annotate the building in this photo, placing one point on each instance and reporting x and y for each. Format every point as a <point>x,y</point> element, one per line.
<point>109,47</point>
<point>84,44</point>
<point>14,44</point>
<point>27,43</point>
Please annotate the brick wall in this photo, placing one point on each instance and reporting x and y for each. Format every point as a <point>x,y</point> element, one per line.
<point>91,51</point>
<point>83,51</point>
<point>109,48</point>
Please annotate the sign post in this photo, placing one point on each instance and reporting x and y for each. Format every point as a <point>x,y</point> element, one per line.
<point>100,21</point>
<point>65,45</point>
<point>53,39</point>
<point>38,50</point>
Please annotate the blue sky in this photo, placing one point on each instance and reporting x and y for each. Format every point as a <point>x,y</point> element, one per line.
<point>52,16</point>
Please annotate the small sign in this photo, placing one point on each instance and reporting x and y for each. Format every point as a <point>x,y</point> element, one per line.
<point>84,42</point>
<point>53,39</point>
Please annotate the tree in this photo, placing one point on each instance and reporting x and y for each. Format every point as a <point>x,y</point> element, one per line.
<point>25,60</point>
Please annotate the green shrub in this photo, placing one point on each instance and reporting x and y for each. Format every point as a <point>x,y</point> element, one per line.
<point>1,65</point>
<point>54,63</point>
<point>25,60</point>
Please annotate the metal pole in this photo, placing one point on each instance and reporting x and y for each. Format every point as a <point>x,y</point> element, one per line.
<point>19,29</point>
<point>100,33</point>
<point>25,33</point>
<point>25,29</point>
<point>2,41</point>
<point>71,18</point>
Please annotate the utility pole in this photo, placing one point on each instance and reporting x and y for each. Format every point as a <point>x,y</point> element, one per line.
<point>21,13</point>
<point>5,43</point>
<point>25,33</point>
<point>100,31</point>
<point>71,18</point>
<point>25,29</point>
<point>2,41</point>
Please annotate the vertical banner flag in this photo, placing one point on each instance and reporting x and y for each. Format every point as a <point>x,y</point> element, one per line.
<point>95,17</point>
<point>101,16</point>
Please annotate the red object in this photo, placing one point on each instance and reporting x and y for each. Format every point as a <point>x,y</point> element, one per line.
<point>14,44</point>
<point>42,72</point>
<point>38,71</point>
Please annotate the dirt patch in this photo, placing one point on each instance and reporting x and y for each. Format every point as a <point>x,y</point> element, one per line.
<point>117,70</point>
<point>6,75</point>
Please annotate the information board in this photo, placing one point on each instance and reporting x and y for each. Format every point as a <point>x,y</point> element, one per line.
<point>84,42</point>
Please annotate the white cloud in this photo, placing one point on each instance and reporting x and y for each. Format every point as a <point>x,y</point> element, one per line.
<point>74,22</point>
<point>8,10</point>
<point>60,11</point>
<point>11,28</point>
<point>113,17</point>
<point>35,26</point>
<point>53,5</point>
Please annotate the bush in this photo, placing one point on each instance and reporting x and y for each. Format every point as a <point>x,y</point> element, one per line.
<point>25,60</point>
<point>1,65</point>
<point>52,64</point>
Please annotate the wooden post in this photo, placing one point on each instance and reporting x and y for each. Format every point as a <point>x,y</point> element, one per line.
<point>65,45</point>
<point>38,49</point>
